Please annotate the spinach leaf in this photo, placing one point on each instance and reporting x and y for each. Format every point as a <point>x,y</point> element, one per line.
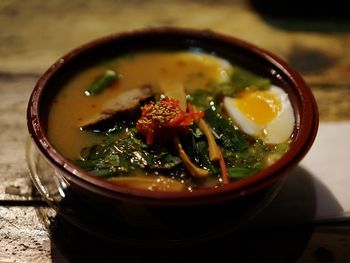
<point>252,158</point>
<point>240,172</point>
<point>231,138</point>
<point>201,150</point>
<point>242,78</point>
<point>124,156</point>
<point>201,98</point>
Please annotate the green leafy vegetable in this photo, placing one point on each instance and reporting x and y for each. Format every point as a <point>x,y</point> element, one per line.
<point>124,156</point>
<point>204,98</point>
<point>223,89</point>
<point>282,148</point>
<point>253,157</point>
<point>231,138</point>
<point>240,172</point>
<point>201,98</point>
<point>242,78</point>
<point>201,150</point>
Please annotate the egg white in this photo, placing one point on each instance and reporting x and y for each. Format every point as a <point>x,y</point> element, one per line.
<point>276,131</point>
<point>280,129</point>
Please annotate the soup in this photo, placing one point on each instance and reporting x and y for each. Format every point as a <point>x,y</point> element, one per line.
<point>170,121</point>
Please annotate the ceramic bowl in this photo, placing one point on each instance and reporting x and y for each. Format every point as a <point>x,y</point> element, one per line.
<point>142,208</point>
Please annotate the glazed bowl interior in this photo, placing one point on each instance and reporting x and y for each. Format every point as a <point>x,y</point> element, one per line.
<point>236,51</point>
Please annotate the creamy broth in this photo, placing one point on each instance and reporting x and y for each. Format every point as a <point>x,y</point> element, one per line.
<point>203,122</point>
<point>72,107</point>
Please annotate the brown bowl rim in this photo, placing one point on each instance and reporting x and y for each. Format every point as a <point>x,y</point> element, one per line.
<point>304,134</point>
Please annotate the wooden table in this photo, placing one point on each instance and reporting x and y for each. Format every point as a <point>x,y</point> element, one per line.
<point>33,34</point>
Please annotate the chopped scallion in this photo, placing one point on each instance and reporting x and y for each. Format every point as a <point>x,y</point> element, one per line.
<point>106,80</point>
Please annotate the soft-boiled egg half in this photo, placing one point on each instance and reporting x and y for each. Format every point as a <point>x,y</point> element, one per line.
<point>263,114</point>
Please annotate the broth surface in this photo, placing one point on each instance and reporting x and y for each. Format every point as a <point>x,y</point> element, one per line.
<point>249,121</point>
<point>71,106</point>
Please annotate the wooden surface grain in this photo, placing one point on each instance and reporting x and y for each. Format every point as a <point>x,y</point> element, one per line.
<point>47,30</point>
<point>15,91</point>
<point>34,34</point>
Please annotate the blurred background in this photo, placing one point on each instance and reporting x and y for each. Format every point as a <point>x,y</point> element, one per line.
<point>312,36</point>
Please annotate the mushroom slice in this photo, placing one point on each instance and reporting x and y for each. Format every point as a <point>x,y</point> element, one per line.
<point>126,104</point>
<point>174,90</point>
<point>194,170</point>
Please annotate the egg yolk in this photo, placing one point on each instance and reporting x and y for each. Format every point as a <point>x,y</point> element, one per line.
<point>259,106</point>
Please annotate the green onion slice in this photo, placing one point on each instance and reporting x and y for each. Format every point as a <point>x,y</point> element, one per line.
<point>106,80</point>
